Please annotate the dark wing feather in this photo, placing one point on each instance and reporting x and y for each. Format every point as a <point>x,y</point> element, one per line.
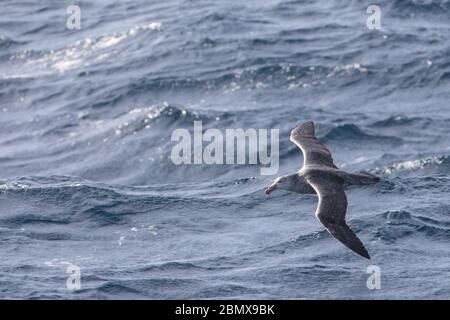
<point>331,212</point>
<point>314,152</point>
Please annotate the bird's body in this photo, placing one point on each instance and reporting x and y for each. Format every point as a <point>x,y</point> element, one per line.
<point>319,175</point>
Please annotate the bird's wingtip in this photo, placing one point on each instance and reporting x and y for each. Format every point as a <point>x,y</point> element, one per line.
<point>305,128</point>
<point>346,236</point>
<point>362,251</point>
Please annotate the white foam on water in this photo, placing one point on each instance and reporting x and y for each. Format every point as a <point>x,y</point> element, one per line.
<point>410,164</point>
<point>81,53</point>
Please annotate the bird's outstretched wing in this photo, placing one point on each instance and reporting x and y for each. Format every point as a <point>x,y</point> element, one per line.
<point>314,152</point>
<point>331,212</point>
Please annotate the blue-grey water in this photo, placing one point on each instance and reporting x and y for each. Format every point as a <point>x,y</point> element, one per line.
<point>86,118</point>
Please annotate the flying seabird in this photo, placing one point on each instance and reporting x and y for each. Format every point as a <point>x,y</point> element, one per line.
<point>319,175</point>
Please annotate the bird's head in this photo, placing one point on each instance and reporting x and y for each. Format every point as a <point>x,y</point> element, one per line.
<point>283,183</point>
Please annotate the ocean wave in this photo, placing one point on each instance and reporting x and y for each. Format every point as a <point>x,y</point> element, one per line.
<point>420,6</point>
<point>402,120</point>
<point>351,132</point>
<point>80,54</point>
<point>102,205</point>
<point>413,165</point>
<point>395,225</point>
<point>171,267</point>
<point>168,288</point>
<point>6,43</point>
<point>255,74</point>
<point>85,126</point>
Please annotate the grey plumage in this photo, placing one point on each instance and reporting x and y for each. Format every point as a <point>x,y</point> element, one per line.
<point>320,175</point>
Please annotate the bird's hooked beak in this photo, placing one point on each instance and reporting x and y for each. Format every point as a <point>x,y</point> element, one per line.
<point>270,189</point>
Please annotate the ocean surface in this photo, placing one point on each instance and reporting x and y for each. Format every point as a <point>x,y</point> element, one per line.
<point>86,118</point>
